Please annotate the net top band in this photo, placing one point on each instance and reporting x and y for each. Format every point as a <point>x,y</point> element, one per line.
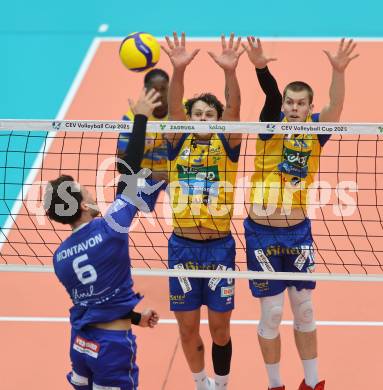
<point>193,127</point>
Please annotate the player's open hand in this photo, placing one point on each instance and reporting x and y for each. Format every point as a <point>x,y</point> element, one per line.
<point>149,318</point>
<point>255,53</point>
<point>146,103</point>
<point>343,56</point>
<point>176,50</point>
<point>231,52</point>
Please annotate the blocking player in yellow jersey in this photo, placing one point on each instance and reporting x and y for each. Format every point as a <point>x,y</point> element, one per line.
<point>278,232</point>
<point>202,172</point>
<point>155,153</point>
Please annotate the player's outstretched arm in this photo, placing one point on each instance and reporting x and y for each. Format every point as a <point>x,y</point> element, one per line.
<point>130,161</point>
<point>228,61</point>
<point>180,59</point>
<point>339,62</point>
<point>271,110</point>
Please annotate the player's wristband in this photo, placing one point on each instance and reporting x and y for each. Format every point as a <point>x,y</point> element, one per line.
<point>135,317</point>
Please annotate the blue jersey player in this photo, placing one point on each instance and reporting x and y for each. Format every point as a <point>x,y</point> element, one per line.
<point>94,267</point>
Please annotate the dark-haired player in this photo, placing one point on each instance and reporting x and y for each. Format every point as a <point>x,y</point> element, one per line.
<point>93,265</point>
<point>155,152</point>
<point>278,232</point>
<point>202,172</point>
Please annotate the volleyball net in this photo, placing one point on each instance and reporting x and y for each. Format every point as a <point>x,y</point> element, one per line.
<point>344,202</point>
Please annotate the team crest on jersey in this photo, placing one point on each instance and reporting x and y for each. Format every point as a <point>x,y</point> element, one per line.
<point>185,154</point>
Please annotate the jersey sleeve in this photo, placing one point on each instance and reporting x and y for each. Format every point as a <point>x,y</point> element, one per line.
<point>173,151</point>
<point>272,107</point>
<point>129,162</point>
<point>233,153</point>
<point>119,216</point>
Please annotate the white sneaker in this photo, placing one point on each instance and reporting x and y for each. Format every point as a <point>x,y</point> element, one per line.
<point>211,383</point>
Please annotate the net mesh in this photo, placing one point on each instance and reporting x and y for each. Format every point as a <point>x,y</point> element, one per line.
<point>346,212</point>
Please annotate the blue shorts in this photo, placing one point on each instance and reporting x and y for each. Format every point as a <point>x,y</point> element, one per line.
<point>279,249</point>
<point>188,294</point>
<point>104,358</point>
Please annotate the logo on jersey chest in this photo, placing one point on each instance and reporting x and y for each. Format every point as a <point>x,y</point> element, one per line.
<point>295,162</point>
<point>209,173</point>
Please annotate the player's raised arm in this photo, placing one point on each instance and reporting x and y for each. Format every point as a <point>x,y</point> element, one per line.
<point>130,161</point>
<point>271,110</point>
<point>339,62</point>
<point>180,59</point>
<point>228,61</point>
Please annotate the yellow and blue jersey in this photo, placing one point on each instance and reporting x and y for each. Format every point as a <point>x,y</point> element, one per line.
<point>155,152</point>
<point>202,177</point>
<point>285,167</point>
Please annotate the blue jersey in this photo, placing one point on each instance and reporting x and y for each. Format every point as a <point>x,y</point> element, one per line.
<point>93,264</point>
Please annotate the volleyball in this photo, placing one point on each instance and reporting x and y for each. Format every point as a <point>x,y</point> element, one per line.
<point>139,51</point>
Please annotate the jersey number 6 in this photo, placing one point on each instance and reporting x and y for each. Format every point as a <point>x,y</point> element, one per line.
<point>87,273</point>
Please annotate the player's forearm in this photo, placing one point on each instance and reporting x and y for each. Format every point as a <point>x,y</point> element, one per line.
<point>337,94</point>
<point>176,94</point>
<point>134,152</point>
<point>333,111</point>
<point>271,110</point>
<point>232,97</point>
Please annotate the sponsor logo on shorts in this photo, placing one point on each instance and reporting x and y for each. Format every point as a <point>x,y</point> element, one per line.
<point>86,346</point>
<point>177,297</point>
<point>227,291</point>
<point>213,282</point>
<point>306,254</point>
<point>277,250</point>
<point>261,285</point>
<point>263,260</point>
<point>99,387</point>
<point>184,282</point>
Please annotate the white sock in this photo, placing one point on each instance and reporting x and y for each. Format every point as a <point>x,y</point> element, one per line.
<point>221,381</point>
<point>274,375</point>
<point>310,367</point>
<point>201,380</point>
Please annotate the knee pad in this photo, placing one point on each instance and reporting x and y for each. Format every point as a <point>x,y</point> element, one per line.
<point>303,311</point>
<point>271,317</point>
